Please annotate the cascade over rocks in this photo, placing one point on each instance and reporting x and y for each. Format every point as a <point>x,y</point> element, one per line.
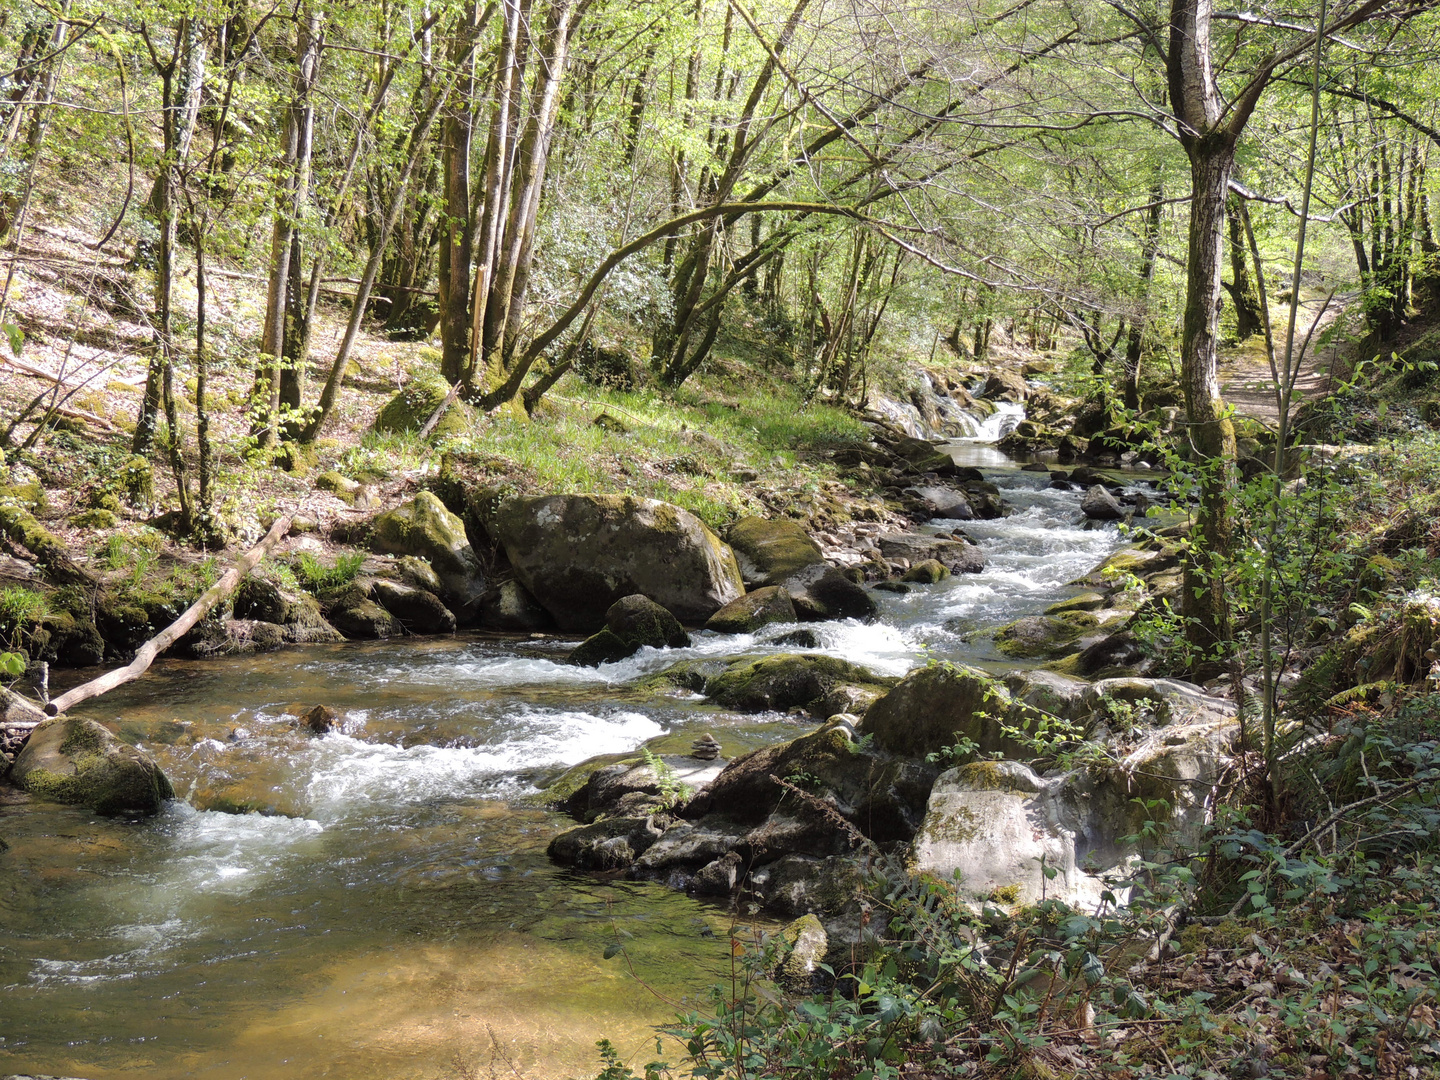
<point>578,554</point>
<point>72,760</point>
<point>955,556</point>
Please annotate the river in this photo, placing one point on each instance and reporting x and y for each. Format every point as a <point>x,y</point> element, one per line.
<point>377,902</point>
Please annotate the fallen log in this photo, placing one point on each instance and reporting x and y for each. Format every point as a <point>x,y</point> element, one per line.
<point>146,654</point>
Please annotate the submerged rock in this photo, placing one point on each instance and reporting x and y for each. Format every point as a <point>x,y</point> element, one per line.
<point>578,554</point>
<point>70,760</point>
<point>768,552</point>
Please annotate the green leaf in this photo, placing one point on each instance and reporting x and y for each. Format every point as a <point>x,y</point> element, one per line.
<point>15,335</point>
<point>613,950</point>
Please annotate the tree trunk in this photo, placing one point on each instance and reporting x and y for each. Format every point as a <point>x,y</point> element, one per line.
<point>1241,288</point>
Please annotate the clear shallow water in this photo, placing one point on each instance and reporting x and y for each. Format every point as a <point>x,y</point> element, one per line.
<point>377,902</point>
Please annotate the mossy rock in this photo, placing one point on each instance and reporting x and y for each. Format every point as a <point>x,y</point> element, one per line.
<point>419,398</point>
<point>768,552</point>
<point>72,760</point>
<point>928,572</point>
<point>578,554</point>
<point>1086,601</point>
<point>69,641</point>
<point>423,527</point>
<point>31,496</point>
<point>94,519</point>
<point>339,485</point>
<point>748,613</point>
<point>934,707</point>
<point>604,647</point>
<point>1043,636</point>
<point>785,681</point>
<point>123,622</point>
<point>137,480</point>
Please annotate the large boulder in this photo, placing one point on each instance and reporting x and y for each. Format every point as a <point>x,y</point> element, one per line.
<point>350,609</point>
<point>1000,827</point>
<point>578,554</point>
<point>748,613</point>
<point>1005,386</point>
<point>419,610</point>
<point>1099,505</point>
<point>822,592</point>
<point>631,624</point>
<point>71,760</point>
<point>785,681</point>
<point>996,828</point>
<point>409,409</point>
<point>934,707</point>
<point>423,527</point>
<point>920,456</point>
<point>957,557</point>
<point>882,797</point>
<point>768,552</point>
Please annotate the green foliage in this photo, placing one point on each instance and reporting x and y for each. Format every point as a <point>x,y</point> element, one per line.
<point>314,576</point>
<point>21,610</point>
<point>673,792</point>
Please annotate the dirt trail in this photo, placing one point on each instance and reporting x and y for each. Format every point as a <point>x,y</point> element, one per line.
<point>1246,381</point>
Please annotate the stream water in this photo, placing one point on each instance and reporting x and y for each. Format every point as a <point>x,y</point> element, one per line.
<point>377,902</point>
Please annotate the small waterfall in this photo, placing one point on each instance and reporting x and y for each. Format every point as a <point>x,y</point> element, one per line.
<point>1001,422</point>
<point>939,416</point>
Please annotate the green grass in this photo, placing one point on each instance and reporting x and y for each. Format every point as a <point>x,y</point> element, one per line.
<point>688,449</point>
<point>20,610</point>
<point>315,576</point>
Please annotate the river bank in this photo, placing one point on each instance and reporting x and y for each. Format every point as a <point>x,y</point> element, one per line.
<point>411,821</point>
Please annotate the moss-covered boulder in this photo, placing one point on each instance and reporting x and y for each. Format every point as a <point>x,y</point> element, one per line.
<point>934,707</point>
<point>67,640</point>
<point>768,552</point>
<point>631,624</point>
<point>926,572</point>
<point>1086,601</point>
<point>578,554</point>
<point>299,613</point>
<point>920,456</point>
<point>350,610</point>
<point>339,485</point>
<point>417,400</point>
<point>418,610</point>
<point>884,798</point>
<point>212,638</point>
<point>424,528</point>
<point>71,760</point>
<point>786,681</point>
<point>1044,636</point>
<point>746,614</point>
